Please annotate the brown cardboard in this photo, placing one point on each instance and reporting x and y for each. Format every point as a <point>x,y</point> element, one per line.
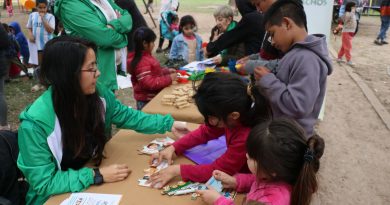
<point>187,114</point>
<point>122,149</point>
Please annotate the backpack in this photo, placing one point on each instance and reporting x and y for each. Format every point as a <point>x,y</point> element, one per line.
<point>13,186</point>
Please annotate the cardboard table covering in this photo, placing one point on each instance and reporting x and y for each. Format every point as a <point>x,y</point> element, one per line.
<point>122,149</point>
<point>188,114</point>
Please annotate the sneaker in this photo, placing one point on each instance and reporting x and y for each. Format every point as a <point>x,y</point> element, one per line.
<point>339,60</point>
<point>37,87</point>
<point>378,42</point>
<point>5,127</point>
<point>159,50</point>
<point>351,64</point>
<point>385,42</point>
<point>167,49</point>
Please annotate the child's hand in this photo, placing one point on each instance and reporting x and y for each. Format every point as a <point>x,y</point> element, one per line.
<point>167,153</point>
<point>217,59</point>
<point>161,178</point>
<point>209,196</point>
<point>173,76</point>
<point>179,129</point>
<point>228,182</point>
<point>243,60</point>
<point>172,70</point>
<point>41,14</point>
<point>260,72</point>
<point>32,39</point>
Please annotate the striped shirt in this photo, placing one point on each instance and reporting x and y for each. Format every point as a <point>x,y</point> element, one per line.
<point>38,29</point>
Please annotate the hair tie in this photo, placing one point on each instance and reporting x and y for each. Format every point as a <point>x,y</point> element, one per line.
<point>249,92</point>
<point>309,155</point>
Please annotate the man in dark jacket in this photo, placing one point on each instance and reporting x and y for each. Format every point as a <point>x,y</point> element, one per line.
<point>249,30</point>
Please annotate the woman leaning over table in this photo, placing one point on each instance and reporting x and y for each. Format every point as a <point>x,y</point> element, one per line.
<point>70,123</point>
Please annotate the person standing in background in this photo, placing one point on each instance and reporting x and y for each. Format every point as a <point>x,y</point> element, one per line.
<point>4,66</point>
<point>166,5</point>
<point>385,23</point>
<point>104,23</point>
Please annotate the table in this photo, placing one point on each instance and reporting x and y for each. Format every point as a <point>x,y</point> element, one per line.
<point>122,148</point>
<point>188,114</point>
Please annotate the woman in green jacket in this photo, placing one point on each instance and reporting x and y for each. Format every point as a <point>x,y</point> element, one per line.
<point>105,24</point>
<point>70,123</point>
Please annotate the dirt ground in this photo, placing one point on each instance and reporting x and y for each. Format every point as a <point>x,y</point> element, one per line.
<point>354,168</point>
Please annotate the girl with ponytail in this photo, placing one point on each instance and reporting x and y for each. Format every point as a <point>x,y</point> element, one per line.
<point>283,166</point>
<point>147,75</point>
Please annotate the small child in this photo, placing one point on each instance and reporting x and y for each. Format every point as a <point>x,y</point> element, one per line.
<point>283,166</point>
<point>231,108</point>
<point>147,76</point>
<point>40,26</point>
<point>19,36</point>
<point>166,18</point>
<point>174,27</point>
<point>298,87</point>
<point>187,45</point>
<point>349,28</point>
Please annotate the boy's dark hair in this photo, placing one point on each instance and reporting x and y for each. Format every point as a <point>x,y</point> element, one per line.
<point>79,115</point>
<point>41,2</point>
<point>292,9</point>
<point>141,35</point>
<point>349,5</point>
<point>186,20</point>
<point>280,147</point>
<point>220,94</point>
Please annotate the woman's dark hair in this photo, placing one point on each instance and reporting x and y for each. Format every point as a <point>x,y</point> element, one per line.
<point>292,9</point>
<point>282,152</point>
<point>80,116</point>
<point>220,94</point>
<point>349,5</point>
<point>186,20</point>
<point>141,35</point>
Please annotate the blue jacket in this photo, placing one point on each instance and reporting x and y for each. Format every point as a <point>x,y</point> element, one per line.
<point>180,48</point>
<point>21,39</point>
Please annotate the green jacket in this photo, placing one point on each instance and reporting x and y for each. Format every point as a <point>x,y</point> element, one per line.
<point>83,19</point>
<point>40,143</point>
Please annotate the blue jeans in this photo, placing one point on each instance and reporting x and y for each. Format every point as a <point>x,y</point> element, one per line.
<point>384,27</point>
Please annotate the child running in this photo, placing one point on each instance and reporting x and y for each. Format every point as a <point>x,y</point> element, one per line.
<point>298,87</point>
<point>147,75</point>
<point>349,28</point>
<point>283,166</point>
<point>187,45</point>
<point>231,108</point>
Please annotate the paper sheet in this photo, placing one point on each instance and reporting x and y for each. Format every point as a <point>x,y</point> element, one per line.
<point>92,199</point>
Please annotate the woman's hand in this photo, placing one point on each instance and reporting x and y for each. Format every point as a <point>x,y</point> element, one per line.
<point>217,59</point>
<point>167,153</point>
<point>162,177</point>
<point>209,196</point>
<point>115,172</point>
<point>228,182</point>
<point>179,129</point>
